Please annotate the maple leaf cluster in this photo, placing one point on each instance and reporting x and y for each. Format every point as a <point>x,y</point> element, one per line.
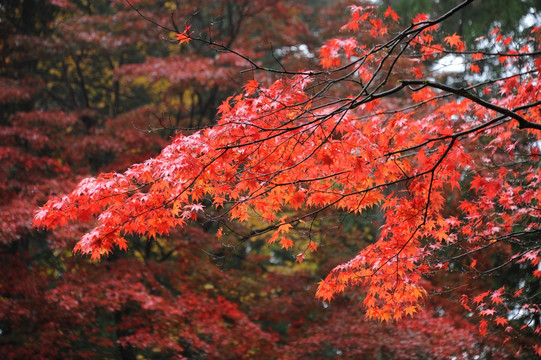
<point>280,146</point>
<point>411,186</point>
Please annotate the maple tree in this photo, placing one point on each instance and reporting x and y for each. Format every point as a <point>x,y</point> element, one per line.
<point>366,133</point>
<point>79,91</point>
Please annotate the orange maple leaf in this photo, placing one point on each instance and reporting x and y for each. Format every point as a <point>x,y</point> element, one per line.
<point>121,243</point>
<point>455,41</point>
<point>224,108</point>
<point>184,37</point>
<point>251,86</point>
<point>410,310</point>
<point>286,243</point>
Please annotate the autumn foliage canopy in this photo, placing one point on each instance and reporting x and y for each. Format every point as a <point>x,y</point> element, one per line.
<point>373,125</point>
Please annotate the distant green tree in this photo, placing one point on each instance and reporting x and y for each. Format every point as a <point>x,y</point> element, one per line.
<point>471,22</point>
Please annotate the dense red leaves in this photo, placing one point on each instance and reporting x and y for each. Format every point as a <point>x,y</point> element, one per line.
<point>273,148</point>
<point>94,309</point>
<point>279,147</point>
<point>82,91</point>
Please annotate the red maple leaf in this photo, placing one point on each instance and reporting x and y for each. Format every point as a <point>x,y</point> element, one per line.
<point>475,68</point>
<point>483,327</point>
<point>480,297</point>
<point>390,13</point>
<point>184,37</point>
<point>418,73</point>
